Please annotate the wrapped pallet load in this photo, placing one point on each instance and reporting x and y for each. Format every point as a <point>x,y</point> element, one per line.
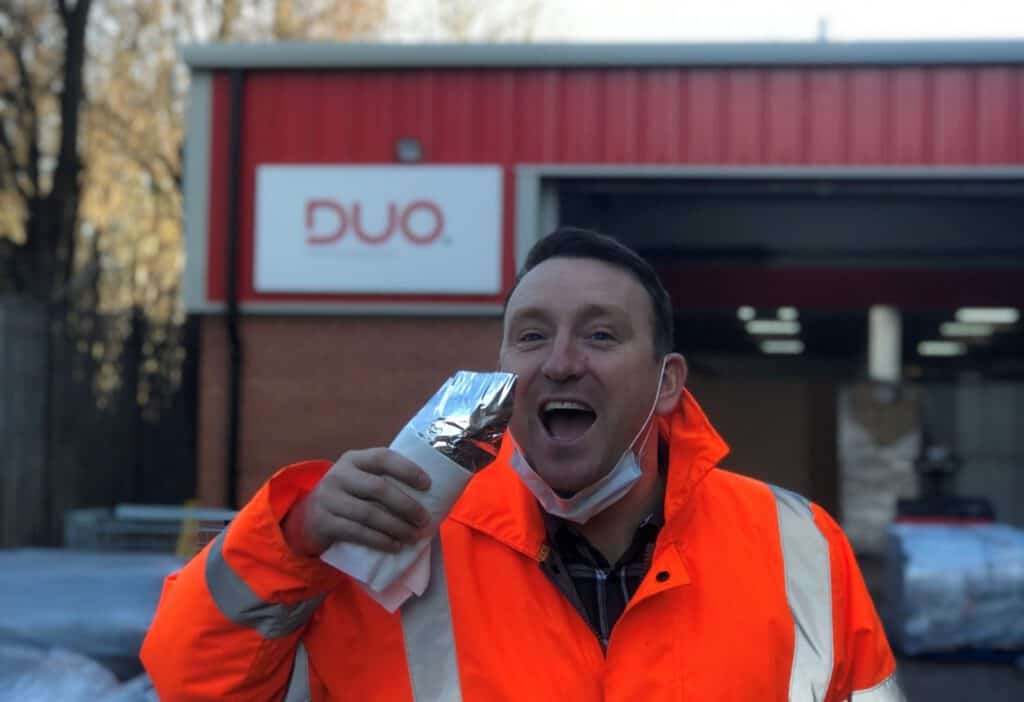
<point>951,587</point>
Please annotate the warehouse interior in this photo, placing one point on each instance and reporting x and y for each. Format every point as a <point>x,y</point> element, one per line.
<point>773,279</point>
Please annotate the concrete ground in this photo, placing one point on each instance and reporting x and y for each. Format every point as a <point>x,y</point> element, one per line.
<point>928,681</point>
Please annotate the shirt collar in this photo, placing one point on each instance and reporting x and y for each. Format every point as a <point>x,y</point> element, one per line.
<point>553,524</point>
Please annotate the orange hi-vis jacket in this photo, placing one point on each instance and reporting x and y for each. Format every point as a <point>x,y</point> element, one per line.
<point>752,594</point>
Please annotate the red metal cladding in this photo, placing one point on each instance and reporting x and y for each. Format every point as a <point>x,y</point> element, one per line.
<point>833,288</point>
<point>785,130</point>
<point>920,116</point>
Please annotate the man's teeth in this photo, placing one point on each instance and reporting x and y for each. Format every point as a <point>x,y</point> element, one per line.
<point>565,405</point>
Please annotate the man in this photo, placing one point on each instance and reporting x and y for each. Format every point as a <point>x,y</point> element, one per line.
<point>603,556</point>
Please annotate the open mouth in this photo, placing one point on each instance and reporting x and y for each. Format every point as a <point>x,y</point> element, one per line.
<point>566,420</point>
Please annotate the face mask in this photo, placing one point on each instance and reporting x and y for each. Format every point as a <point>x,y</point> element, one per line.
<point>597,497</point>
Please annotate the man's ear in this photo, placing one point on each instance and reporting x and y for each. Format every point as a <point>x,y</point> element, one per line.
<point>672,383</point>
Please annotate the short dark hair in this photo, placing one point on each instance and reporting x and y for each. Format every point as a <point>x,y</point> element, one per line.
<point>575,242</point>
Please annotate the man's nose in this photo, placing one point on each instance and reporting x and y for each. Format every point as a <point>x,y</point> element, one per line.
<point>565,361</point>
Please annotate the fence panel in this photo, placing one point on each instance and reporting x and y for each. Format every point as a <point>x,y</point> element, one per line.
<point>23,501</point>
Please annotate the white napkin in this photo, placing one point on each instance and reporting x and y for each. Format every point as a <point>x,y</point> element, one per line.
<point>391,578</point>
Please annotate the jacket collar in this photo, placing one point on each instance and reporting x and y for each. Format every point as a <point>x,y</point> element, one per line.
<point>497,503</point>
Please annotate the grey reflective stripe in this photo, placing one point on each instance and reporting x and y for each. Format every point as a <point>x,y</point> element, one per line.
<point>886,691</point>
<point>298,685</point>
<point>809,592</point>
<point>430,638</point>
<point>236,600</point>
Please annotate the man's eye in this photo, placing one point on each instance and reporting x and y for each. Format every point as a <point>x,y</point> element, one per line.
<point>528,337</point>
<point>602,335</point>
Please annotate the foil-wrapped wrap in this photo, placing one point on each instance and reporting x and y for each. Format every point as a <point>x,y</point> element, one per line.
<point>456,434</point>
<point>467,417</point>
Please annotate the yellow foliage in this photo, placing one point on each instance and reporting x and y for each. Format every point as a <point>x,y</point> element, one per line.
<point>12,216</point>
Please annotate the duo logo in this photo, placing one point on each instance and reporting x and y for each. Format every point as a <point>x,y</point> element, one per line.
<point>420,222</point>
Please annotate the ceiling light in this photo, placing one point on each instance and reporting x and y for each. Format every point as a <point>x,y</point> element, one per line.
<point>942,348</point>
<point>773,326</point>
<point>787,313</point>
<point>965,329</point>
<point>746,313</point>
<point>782,346</point>
<point>988,315</point>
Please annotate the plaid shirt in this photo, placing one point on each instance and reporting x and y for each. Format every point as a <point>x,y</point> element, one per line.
<point>598,590</point>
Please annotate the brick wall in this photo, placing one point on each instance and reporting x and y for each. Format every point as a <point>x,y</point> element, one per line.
<point>315,386</point>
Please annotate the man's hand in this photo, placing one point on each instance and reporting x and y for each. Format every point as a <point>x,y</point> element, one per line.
<point>355,502</point>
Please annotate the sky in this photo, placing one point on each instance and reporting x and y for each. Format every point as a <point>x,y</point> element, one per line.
<point>746,20</point>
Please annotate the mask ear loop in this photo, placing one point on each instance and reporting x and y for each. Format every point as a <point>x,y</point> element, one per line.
<point>647,426</point>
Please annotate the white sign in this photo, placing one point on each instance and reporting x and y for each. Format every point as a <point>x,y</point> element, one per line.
<point>378,229</point>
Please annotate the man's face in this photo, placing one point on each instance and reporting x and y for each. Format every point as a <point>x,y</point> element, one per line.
<point>578,332</point>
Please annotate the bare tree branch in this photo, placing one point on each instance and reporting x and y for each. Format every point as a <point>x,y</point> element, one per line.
<point>71,94</point>
<point>27,107</point>
<point>66,186</point>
